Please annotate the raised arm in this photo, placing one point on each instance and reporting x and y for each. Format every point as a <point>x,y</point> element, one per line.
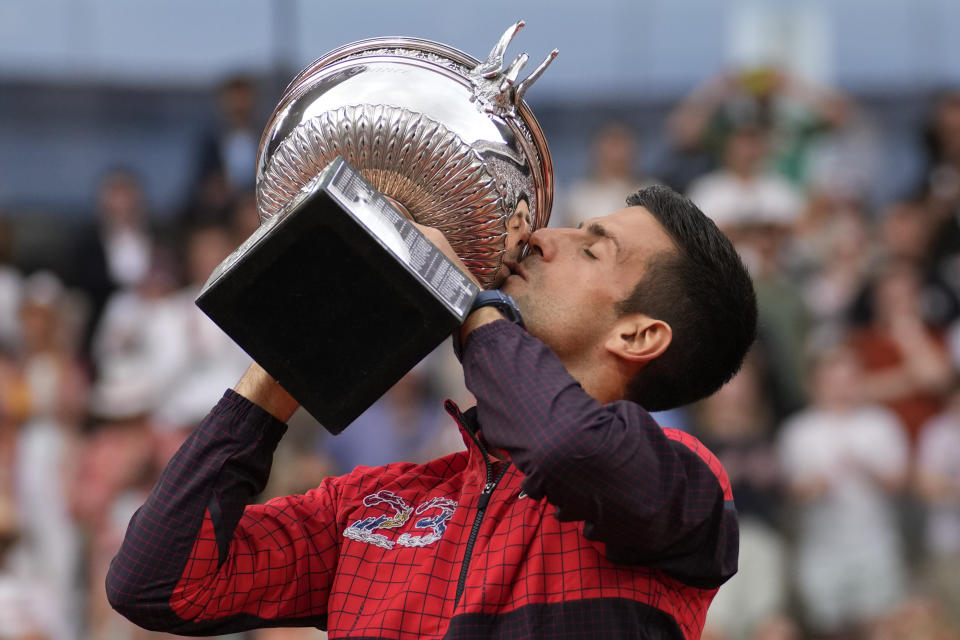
<point>197,560</point>
<point>655,496</point>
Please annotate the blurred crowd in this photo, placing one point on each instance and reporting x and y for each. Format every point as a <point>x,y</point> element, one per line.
<point>841,434</point>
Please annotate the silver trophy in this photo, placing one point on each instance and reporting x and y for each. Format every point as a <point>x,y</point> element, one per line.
<point>366,138</point>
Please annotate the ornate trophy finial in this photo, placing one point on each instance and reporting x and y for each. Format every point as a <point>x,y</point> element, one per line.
<point>533,77</point>
<point>497,90</point>
<point>510,75</point>
<point>493,65</point>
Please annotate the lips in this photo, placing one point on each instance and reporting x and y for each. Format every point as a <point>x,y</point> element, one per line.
<point>516,268</point>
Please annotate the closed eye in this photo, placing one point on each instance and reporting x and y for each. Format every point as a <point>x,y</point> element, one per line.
<point>589,253</point>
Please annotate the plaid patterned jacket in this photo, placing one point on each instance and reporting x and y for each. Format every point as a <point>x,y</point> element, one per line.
<point>601,525</point>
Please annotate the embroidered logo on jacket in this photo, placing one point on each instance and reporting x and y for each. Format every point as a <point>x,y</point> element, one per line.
<point>364,530</point>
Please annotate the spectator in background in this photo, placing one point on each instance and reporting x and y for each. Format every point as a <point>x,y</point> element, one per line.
<point>906,365</point>
<point>14,409</point>
<point>736,423</point>
<point>116,470</point>
<point>157,354</point>
<point>21,605</point>
<point>757,209</point>
<point>799,116</point>
<point>941,180</point>
<point>610,178</point>
<point>24,607</point>
<point>938,481</point>
<point>206,359</point>
<point>46,449</point>
<point>906,234</point>
<point>226,154</point>
<point>906,231</point>
<point>11,283</point>
<point>918,618</point>
<point>844,460</point>
<point>23,598</point>
<point>836,261</point>
<point>115,251</point>
<point>744,192</point>
<point>138,345</point>
<point>939,191</point>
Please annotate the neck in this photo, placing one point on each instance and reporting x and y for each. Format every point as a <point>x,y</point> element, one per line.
<point>604,381</point>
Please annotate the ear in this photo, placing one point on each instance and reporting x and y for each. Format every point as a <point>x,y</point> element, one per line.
<point>638,338</point>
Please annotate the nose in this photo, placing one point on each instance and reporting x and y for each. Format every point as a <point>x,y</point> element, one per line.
<point>544,242</point>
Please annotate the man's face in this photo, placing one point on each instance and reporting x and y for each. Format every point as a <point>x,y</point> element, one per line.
<point>569,284</point>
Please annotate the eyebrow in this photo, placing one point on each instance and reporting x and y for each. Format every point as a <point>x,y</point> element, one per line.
<point>594,228</point>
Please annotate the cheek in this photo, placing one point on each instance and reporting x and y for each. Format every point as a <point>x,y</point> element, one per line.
<point>565,320</point>
<point>562,299</point>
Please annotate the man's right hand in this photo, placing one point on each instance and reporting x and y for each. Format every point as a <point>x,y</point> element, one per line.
<point>258,387</point>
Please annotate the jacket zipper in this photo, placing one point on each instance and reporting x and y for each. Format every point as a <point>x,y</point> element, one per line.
<point>491,484</point>
<point>475,530</point>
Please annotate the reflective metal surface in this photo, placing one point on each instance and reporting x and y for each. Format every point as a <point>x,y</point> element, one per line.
<point>446,136</point>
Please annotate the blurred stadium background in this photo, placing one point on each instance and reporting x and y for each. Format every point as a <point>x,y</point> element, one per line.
<point>823,136</point>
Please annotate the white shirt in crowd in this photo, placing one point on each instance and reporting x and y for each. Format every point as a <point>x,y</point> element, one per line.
<point>938,453</point>
<point>846,449</point>
<point>162,355</point>
<point>849,563</point>
<point>730,200</point>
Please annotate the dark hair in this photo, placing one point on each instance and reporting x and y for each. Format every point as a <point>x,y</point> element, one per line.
<point>704,293</point>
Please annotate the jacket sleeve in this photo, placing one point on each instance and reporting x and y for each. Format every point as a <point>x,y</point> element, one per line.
<point>196,560</point>
<point>656,497</point>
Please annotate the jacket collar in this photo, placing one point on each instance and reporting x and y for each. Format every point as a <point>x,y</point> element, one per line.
<point>470,432</point>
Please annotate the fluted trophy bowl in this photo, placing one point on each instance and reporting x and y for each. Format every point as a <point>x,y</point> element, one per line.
<point>446,137</point>
<point>337,294</point>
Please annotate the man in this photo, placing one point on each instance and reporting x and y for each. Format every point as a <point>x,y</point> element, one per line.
<point>572,514</point>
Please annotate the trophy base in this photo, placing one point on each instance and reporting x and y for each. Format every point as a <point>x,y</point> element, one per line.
<point>337,297</point>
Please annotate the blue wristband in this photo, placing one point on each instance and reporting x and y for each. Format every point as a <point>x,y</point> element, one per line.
<point>490,298</point>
